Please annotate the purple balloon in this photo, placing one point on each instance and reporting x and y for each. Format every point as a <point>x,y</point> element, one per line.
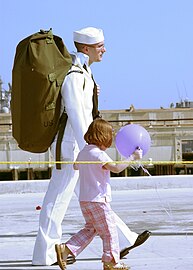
<point>131,136</point>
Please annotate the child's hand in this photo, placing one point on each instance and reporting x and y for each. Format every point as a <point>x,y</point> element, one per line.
<point>137,154</point>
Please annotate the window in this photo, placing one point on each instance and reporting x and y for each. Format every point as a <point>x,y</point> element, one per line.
<point>187,150</point>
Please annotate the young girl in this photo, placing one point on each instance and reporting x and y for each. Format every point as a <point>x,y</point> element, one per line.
<point>94,167</point>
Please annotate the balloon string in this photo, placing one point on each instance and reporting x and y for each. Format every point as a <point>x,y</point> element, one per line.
<point>169,213</point>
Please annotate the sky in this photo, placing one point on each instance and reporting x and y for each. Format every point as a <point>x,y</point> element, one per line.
<point>149,45</point>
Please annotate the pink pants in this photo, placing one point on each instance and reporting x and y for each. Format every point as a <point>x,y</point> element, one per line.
<point>100,220</point>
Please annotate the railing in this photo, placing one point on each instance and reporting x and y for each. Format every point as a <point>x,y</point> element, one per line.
<point>158,122</point>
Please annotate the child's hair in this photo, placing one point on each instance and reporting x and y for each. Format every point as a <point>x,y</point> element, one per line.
<point>100,132</point>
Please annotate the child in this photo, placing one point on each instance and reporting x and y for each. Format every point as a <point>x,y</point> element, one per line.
<point>95,197</point>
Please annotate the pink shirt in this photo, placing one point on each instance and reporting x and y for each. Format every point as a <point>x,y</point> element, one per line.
<point>94,180</point>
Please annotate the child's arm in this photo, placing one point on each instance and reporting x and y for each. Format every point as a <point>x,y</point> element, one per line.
<point>117,168</point>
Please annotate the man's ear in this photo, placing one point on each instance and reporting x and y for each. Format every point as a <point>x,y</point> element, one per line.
<point>85,49</point>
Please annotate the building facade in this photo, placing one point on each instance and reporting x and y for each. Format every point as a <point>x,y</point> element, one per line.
<point>171,132</point>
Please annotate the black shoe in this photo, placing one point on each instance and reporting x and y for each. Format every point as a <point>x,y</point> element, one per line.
<point>139,241</point>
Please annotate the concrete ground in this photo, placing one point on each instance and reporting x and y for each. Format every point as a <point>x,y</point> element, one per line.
<point>165,209</point>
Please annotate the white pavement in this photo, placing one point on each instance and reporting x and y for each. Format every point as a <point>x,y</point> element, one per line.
<point>163,205</point>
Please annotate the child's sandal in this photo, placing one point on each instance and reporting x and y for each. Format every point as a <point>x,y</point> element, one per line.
<point>60,249</point>
<point>118,266</point>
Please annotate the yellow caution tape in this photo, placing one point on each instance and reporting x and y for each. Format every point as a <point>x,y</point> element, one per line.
<point>98,162</point>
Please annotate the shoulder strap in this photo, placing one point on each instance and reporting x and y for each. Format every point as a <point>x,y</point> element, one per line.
<point>95,111</point>
<point>71,71</point>
<point>78,71</point>
<point>63,120</point>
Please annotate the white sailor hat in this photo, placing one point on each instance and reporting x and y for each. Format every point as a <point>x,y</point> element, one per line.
<point>88,35</point>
